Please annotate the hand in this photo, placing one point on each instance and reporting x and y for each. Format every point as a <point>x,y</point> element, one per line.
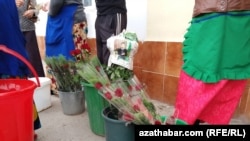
<point>19,3</point>
<point>29,13</point>
<point>45,6</point>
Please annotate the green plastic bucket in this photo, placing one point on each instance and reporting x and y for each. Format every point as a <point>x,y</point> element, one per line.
<point>95,105</point>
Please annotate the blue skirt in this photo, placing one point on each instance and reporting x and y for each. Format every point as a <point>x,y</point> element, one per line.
<point>59,37</point>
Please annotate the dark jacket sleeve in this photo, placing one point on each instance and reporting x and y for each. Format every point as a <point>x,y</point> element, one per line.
<point>55,7</point>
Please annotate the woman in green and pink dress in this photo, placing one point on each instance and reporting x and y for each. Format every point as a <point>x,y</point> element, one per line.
<point>216,61</point>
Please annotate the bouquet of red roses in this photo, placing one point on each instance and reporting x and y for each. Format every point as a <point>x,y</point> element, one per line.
<point>128,96</point>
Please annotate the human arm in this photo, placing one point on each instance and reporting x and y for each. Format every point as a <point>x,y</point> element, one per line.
<point>33,9</point>
<point>45,6</point>
<point>19,3</point>
<point>55,7</point>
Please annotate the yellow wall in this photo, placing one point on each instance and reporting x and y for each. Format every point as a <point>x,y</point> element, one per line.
<point>168,19</point>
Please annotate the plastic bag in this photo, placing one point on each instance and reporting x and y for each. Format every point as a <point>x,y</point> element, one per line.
<point>122,49</point>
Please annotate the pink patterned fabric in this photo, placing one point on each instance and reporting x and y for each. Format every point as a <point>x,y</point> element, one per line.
<point>213,103</point>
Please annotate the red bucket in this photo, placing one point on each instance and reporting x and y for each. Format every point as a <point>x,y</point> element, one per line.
<point>16,105</point>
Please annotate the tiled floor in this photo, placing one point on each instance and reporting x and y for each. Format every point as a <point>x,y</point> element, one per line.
<point>57,126</point>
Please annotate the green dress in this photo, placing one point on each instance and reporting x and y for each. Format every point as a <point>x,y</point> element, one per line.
<point>215,54</point>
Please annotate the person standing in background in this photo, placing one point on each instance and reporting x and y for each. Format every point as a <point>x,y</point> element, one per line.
<point>111,20</point>
<point>41,27</point>
<point>216,62</point>
<point>66,27</point>
<point>27,11</point>
<point>12,37</point>
<point>66,30</point>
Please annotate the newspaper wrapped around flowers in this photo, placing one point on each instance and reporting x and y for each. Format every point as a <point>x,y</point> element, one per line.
<point>122,49</point>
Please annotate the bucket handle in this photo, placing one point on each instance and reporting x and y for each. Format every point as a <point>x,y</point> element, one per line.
<point>20,57</point>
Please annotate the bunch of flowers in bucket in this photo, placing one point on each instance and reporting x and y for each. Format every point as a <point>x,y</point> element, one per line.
<point>129,97</point>
<point>63,71</point>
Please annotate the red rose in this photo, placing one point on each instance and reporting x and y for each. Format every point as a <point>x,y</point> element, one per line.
<point>118,92</point>
<point>138,87</point>
<point>108,95</point>
<point>98,85</point>
<point>128,117</point>
<point>157,122</point>
<point>136,107</point>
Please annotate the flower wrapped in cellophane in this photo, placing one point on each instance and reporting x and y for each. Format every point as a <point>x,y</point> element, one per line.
<point>92,71</point>
<point>129,97</point>
<point>117,83</point>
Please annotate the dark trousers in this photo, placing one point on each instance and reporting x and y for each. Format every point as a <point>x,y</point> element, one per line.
<point>33,52</point>
<point>106,26</point>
